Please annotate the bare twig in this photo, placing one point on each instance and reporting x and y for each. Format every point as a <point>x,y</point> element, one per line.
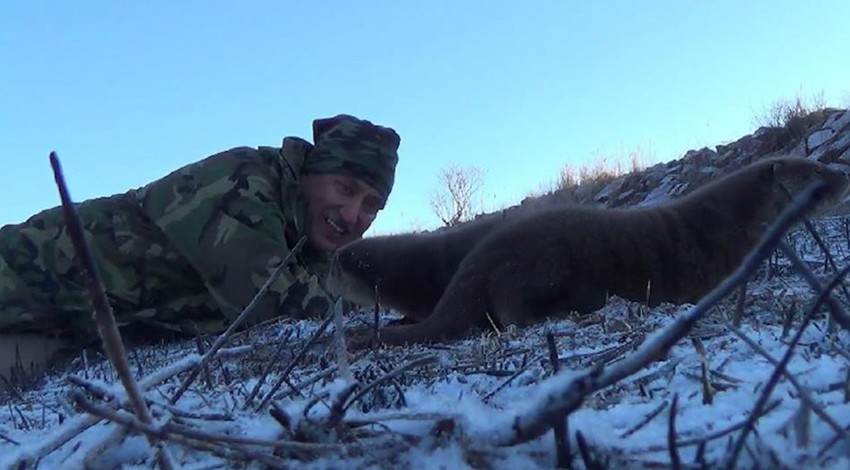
<point>675,461</point>
<point>788,319</point>
<point>839,315</point>
<point>339,344</point>
<point>568,393</point>
<point>646,419</point>
<point>561,426</point>
<point>106,324</point>
<point>739,305</point>
<point>338,408</point>
<point>9,439</point>
<point>779,370</point>
<point>826,253</point>
<point>275,360</point>
<point>376,317</point>
<point>195,439</point>
<point>803,391</point>
<point>246,312</point>
<point>519,371</point>
<point>169,429</point>
<point>75,426</point>
<point>419,361</point>
<point>702,440</point>
<point>590,462</point>
<point>705,373</point>
<point>295,360</point>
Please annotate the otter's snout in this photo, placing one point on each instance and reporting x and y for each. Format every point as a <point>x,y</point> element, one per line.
<point>838,177</point>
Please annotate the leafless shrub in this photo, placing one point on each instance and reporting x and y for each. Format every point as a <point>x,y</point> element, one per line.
<point>457,198</point>
<point>782,112</point>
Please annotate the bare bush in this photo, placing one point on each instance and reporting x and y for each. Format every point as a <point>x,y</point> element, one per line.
<point>457,197</point>
<point>782,112</point>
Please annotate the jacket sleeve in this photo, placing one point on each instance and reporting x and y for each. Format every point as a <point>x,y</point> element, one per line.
<point>225,215</point>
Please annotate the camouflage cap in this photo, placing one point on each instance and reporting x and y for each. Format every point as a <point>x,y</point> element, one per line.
<point>345,144</point>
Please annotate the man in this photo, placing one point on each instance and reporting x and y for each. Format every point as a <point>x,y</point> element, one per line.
<point>189,251</point>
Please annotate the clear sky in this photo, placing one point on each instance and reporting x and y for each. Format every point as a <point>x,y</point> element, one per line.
<point>126,92</point>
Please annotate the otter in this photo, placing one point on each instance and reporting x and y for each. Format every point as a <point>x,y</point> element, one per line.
<point>572,258</point>
<point>366,271</point>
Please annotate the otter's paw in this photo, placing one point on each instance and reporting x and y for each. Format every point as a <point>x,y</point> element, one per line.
<point>360,338</point>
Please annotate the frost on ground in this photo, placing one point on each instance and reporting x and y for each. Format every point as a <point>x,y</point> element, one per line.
<point>275,398</point>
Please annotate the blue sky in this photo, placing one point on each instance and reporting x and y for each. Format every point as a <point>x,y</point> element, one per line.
<point>126,92</point>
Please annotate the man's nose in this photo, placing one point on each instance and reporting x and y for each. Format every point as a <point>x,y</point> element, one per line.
<point>351,211</point>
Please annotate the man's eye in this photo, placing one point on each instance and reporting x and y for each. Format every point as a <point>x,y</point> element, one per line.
<point>371,207</point>
<point>345,189</point>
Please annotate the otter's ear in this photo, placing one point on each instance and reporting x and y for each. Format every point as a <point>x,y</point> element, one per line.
<point>775,168</point>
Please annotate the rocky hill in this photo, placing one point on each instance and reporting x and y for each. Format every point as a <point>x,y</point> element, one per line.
<point>823,135</point>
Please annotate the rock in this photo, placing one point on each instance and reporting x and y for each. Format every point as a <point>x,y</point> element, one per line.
<point>838,121</point>
<point>829,152</point>
<point>818,138</point>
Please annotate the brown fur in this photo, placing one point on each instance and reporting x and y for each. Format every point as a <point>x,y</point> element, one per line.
<point>571,258</point>
<point>365,266</point>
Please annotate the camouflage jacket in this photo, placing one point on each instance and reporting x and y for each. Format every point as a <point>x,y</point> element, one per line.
<point>192,247</point>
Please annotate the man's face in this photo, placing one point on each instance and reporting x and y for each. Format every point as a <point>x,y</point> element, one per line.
<point>339,209</point>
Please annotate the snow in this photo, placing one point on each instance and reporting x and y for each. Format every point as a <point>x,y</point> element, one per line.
<point>463,399</point>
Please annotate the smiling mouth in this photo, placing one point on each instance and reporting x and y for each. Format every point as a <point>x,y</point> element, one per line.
<point>336,227</point>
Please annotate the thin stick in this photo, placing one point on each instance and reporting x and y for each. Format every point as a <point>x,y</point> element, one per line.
<point>190,438</point>
<point>278,353</point>
<point>839,315</point>
<point>339,344</point>
<point>823,295</point>
<point>295,360</point>
<point>27,455</point>
<point>646,419</point>
<point>561,426</point>
<point>171,429</point>
<point>219,342</point>
<point>420,361</point>
<point>106,325</point>
<point>675,461</point>
<point>804,394</point>
<point>826,253</point>
<point>9,439</point>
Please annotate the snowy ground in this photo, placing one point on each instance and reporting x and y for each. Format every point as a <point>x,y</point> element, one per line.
<point>451,405</point>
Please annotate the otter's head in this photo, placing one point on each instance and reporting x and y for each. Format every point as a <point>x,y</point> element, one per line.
<point>353,272</point>
<point>794,175</point>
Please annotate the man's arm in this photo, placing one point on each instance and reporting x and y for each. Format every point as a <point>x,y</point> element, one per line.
<point>225,215</point>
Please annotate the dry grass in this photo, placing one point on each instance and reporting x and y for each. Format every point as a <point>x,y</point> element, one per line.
<point>784,112</point>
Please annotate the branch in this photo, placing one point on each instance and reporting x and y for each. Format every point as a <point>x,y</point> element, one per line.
<point>675,461</point>
<point>838,314</point>
<point>824,294</point>
<point>27,455</point>
<point>295,360</point>
<point>106,325</point>
<point>805,396</point>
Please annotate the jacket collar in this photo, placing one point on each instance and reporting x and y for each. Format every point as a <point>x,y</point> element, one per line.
<point>294,151</point>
